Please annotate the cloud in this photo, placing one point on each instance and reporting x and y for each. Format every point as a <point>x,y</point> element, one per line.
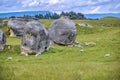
<point>96,10</point>
<point>84,6</point>
<point>34,3</point>
<point>117,6</point>
<point>53,2</point>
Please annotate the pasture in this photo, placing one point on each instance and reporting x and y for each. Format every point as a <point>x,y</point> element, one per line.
<point>66,62</point>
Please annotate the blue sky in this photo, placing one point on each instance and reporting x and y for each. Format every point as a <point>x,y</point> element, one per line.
<point>83,6</point>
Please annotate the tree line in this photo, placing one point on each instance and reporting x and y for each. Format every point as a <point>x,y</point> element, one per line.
<point>71,15</point>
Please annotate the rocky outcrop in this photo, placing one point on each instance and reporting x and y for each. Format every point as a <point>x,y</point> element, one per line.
<point>2,40</point>
<point>16,25</point>
<point>63,31</point>
<point>35,38</point>
<point>1,23</point>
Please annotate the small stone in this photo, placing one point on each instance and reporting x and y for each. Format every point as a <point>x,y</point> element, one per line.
<point>90,43</point>
<point>70,45</point>
<point>80,46</point>
<point>107,55</point>
<point>77,42</point>
<point>9,58</point>
<point>86,43</point>
<point>8,47</point>
<point>81,50</point>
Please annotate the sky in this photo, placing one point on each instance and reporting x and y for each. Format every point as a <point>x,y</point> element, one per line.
<point>83,6</point>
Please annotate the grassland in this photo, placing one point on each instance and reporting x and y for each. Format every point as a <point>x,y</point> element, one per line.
<point>67,63</point>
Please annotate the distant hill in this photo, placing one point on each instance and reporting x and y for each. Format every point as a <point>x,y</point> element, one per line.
<point>94,16</point>
<point>109,18</point>
<point>30,13</point>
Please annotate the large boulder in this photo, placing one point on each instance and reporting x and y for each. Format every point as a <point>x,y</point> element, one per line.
<point>16,25</point>
<point>2,40</point>
<point>35,38</point>
<point>63,31</point>
<point>1,23</point>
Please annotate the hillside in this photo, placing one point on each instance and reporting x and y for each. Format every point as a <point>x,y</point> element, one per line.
<point>109,18</point>
<point>94,16</point>
<point>68,63</point>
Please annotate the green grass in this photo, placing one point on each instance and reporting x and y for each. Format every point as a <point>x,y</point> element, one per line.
<point>67,63</point>
<point>110,18</point>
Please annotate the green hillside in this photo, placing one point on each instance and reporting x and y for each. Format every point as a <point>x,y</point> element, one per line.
<point>66,62</point>
<point>109,18</point>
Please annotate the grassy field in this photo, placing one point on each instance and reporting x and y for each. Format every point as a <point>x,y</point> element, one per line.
<point>67,63</point>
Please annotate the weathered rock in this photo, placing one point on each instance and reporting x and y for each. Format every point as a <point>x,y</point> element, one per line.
<point>9,59</point>
<point>63,31</point>
<point>85,25</point>
<point>16,25</point>
<point>107,55</point>
<point>1,23</point>
<point>2,40</point>
<point>5,22</point>
<point>35,38</point>
<point>90,43</point>
<point>81,50</point>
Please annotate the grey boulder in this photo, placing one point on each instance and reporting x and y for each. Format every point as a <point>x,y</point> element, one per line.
<point>63,31</point>
<point>1,23</point>
<point>35,38</point>
<point>16,25</point>
<point>2,40</point>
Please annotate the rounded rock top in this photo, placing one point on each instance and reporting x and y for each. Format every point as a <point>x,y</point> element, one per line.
<point>63,24</point>
<point>34,27</point>
<point>63,31</point>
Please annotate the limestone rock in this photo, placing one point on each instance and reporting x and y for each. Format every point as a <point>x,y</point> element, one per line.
<point>9,58</point>
<point>85,25</point>
<point>81,50</point>
<point>16,25</point>
<point>35,38</point>
<point>90,43</point>
<point>1,23</point>
<point>63,31</point>
<point>107,55</point>
<point>2,40</point>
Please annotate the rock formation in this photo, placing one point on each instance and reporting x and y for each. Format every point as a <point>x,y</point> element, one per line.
<point>16,25</point>
<point>2,40</point>
<point>63,31</point>
<point>1,23</point>
<point>35,38</point>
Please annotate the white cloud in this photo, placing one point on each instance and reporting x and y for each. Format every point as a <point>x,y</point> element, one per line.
<point>104,0</point>
<point>96,10</point>
<point>34,3</point>
<point>53,1</point>
<point>30,3</point>
<point>84,6</point>
<point>117,6</point>
<point>25,3</point>
<point>91,2</point>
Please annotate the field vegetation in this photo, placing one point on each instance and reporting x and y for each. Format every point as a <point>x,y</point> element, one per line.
<point>66,62</point>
